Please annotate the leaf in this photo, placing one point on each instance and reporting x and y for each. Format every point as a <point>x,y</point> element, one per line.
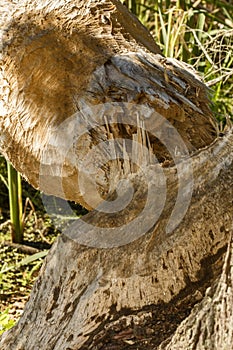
<point>5,321</point>
<point>25,261</point>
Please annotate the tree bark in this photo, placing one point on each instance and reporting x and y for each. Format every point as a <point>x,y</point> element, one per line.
<point>167,179</point>
<point>210,325</point>
<point>81,290</point>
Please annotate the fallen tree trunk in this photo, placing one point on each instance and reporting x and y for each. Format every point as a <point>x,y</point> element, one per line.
<point>158,239</point>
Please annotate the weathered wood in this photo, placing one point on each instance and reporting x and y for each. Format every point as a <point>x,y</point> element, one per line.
<point>81,289</point>
<point>67,57</point>
<point>90,66</point>
<point>210,325</point>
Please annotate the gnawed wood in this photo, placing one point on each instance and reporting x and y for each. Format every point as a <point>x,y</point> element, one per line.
<point>79,65</point>
<point>80,289</point>
<point>63,58</point>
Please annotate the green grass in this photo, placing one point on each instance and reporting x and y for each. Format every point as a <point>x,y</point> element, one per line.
<point>6,321</point>
<point>16,203</point>
<point>199,33</point>
<point>17,275</point>
<point>19,270</point>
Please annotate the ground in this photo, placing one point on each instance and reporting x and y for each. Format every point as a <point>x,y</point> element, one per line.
<point>20,264</point>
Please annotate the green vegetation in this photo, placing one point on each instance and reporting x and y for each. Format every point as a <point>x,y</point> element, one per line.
<point>6,322</point>
<point>18,272</point>
<point>199,33</point>
<point>20,264</point>
<point>15,200</point>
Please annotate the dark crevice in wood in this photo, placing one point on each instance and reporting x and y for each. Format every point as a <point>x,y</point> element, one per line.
<point>164,315</point>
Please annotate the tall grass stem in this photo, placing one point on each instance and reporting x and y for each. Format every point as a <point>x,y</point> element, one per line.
<point>15,202</point>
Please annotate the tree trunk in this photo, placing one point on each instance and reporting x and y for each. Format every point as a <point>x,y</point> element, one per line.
<point>210,324</point>
<point>72,75</point>
<point>83,291</point>
<point>157,174</point>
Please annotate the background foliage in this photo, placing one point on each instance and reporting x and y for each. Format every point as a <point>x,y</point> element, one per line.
<point>197,32</point>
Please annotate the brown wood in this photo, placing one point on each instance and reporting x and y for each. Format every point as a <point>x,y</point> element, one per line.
<point>61,58</point>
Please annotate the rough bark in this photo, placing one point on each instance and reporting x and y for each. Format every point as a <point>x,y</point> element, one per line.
<point>61,58</point>
<point>210,324</point>
<point>81,289</point>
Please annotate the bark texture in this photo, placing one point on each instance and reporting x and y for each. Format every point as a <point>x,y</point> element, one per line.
<point>94,60</point>
<point>210,325</point>
<point>81,290</point>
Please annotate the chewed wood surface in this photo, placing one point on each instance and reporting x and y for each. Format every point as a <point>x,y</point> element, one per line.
<point>60,58</point>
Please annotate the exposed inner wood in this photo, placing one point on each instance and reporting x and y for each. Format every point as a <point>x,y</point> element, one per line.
<point>77,76</point>
<point>93,286</point>
<point>85,59</point>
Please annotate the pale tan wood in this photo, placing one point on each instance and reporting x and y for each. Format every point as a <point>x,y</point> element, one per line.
<point>60,57</point>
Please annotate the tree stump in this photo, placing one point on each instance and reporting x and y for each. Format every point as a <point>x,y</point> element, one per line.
<point>92,112</point>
